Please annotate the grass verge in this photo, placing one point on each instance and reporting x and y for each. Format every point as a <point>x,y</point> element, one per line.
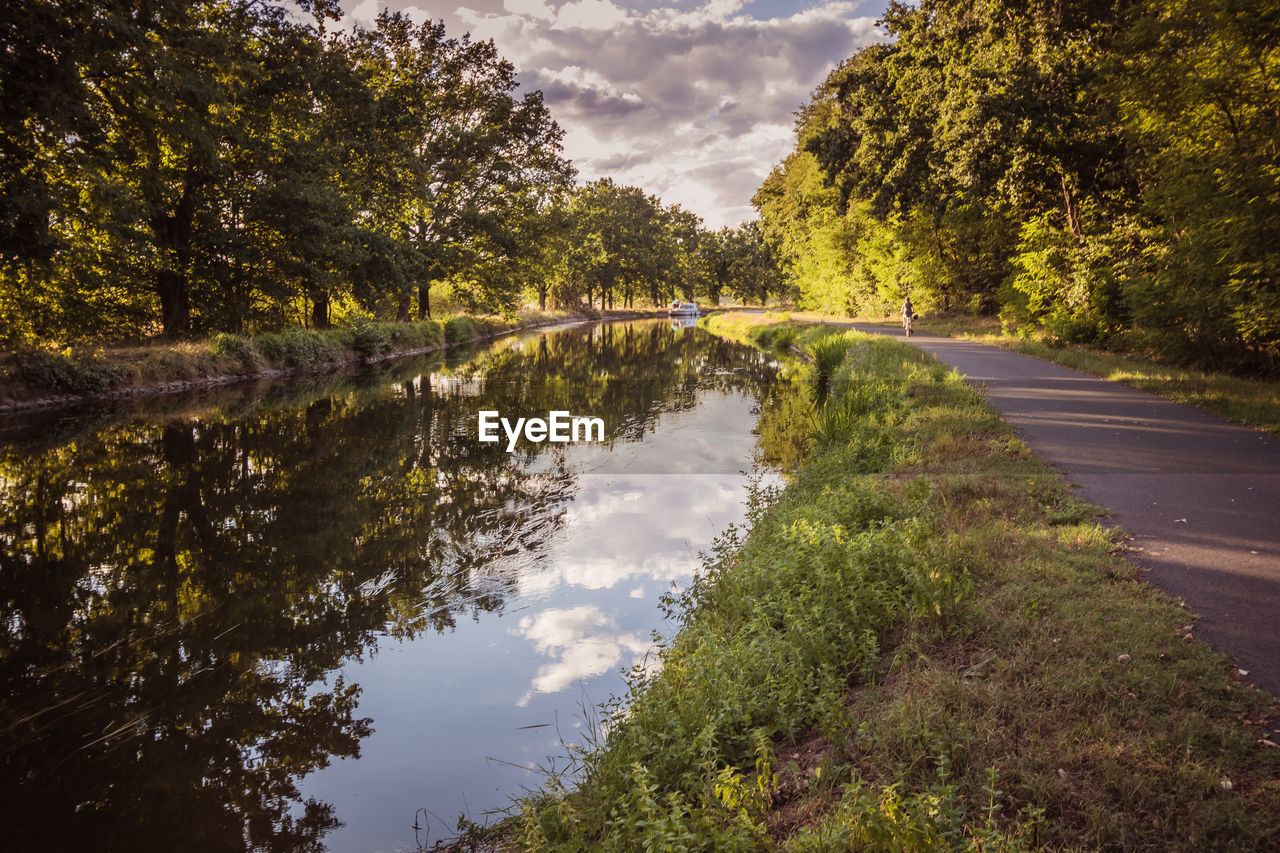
<point>42,373</point>
<point>925,642</point>
<point>1252,402</point>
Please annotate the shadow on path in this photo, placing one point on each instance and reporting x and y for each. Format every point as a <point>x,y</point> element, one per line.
<point>1200,496</point>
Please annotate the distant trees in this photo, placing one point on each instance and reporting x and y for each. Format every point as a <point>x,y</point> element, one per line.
<point>187,166</point>
<point>1105,170</point>
<point>619,244</point>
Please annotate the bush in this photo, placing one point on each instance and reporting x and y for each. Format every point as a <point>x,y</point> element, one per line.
<point>369,339</point>
<point>459,329</point>
<point>180,362</point>
<point>828,352</point>
<point>785,337</point>
<point>408,336</point>
<point>235,348</point>
<point>68,372</point>
<point>297,348</point>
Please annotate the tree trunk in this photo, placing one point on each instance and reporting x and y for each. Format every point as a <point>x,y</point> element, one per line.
<point>1073,210</point>
<point>173,234</point>
<point>424,301</point>
<point>175,303</point>
<point>402,308</point>
<point>320,309</point>
<point>542,299</point>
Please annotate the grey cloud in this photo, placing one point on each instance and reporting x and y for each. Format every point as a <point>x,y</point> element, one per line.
<point>619,162</point>
<point>583,99</point>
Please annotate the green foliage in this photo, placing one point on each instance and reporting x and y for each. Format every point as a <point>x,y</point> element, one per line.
<point>828,352</point>
<point>235,348</point>
<point>618,244</point>
<point>298,347</point>
<point>370,339</point>
<point>422,335</point>
<point>891,818</point>
<point>225,166</point>
<point>784,337</point>
<point>68,372</point>
<point>1101,171</point>
<point>459,329</point>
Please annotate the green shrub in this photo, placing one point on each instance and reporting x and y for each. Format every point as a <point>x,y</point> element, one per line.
<point>182,362</point>
<point>784,337</point>
<point>235,348</point>
<point>369,339</point>
<point>68,372</point>
<point>427,333</point>
<point>827,352</point>
<point>339,341</point>
<point>297,348</point>
<point>459,329</point>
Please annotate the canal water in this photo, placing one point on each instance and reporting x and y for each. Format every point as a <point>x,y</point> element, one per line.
<point>321,614</point>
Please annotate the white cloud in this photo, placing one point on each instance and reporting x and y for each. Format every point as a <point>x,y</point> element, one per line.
<point>581,644</point>
<point>365,13</point>
<point>614,541</point>
<point>589,15</point>
<point>536,9</point>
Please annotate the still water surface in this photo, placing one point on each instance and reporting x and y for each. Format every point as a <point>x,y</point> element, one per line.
<point>324,611</point>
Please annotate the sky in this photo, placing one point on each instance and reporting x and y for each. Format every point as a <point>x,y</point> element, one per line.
<point>692,101</point>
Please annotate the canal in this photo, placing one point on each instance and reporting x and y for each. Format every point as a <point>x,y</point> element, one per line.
<point>316,613</point>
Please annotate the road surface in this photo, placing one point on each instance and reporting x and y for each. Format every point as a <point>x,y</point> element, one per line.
<point>1200,496</point>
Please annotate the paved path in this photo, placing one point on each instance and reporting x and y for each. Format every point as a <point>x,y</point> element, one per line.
<point>1200,496</point>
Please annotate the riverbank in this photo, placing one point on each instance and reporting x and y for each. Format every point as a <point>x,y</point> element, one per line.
<point>1240,399</point>
<point>924,642</point>
<point>42,379</point>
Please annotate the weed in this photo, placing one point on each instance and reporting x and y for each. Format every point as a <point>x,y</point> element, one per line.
<point>827,352</point>
<point>784,337</point>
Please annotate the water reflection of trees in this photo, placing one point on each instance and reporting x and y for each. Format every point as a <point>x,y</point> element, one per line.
<point>178,595</point>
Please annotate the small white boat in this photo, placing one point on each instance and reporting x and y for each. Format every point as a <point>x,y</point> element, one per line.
<point>683,309</point>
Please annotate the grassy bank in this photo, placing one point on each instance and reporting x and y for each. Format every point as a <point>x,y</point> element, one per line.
<point>1252,402</point>
<point>924,642</point>
<point>41,375</point>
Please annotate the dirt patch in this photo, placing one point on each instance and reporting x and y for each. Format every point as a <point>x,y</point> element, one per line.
<point>803,795</point>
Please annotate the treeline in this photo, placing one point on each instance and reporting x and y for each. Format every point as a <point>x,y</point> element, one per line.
<point>1105,170</point>
<point>231,165</point>
<point>189,167</point>
<point>612,245</point>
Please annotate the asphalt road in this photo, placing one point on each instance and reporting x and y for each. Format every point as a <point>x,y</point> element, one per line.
<point>1200,496</point>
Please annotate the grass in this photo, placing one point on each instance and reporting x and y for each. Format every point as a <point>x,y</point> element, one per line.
<point>37,373</point>
<point>1252,402</point>
<point>925,642</point>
